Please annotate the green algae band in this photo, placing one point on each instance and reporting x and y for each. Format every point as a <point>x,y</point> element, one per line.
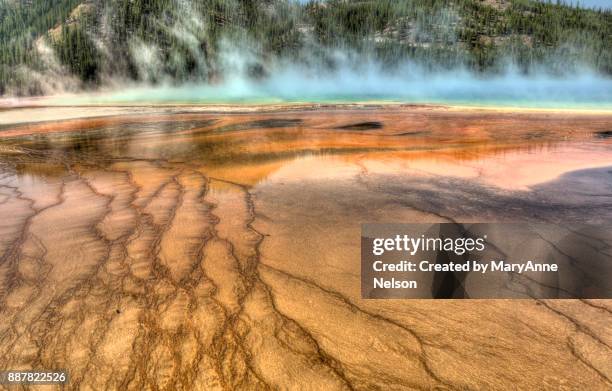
<point>506,261</point>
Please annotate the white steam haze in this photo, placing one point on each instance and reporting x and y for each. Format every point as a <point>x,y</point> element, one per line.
<point>354,79</point>
<point>352,76</point>
<point>293,84</point>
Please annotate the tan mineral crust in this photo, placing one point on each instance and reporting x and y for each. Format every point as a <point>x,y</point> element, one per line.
<point>176,249</point>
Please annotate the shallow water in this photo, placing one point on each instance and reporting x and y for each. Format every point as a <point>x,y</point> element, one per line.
<point>581,91</point>
<point>215,250</point>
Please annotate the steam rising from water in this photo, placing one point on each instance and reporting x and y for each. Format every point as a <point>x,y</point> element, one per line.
<point>242,74</point>
<point>370,82</point>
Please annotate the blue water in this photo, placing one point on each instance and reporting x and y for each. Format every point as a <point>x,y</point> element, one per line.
<point>587,92</point>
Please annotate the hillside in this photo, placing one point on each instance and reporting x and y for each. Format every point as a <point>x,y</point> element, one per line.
<point>58,45</point>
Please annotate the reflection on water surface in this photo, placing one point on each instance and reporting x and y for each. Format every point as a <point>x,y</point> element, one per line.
<point>445,143</point>
<point>200,251</point>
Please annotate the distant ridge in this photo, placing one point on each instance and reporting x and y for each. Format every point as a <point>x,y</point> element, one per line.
<point>68,45</point>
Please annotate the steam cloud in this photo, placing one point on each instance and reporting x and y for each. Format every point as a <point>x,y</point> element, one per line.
<point>240,73</point>
<point>354,79</point>
<point>294,84</point>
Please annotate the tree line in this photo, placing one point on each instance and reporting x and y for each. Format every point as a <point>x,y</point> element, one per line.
<point>111,38</point>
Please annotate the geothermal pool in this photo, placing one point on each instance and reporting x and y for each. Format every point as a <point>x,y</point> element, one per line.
<point>170,247</point>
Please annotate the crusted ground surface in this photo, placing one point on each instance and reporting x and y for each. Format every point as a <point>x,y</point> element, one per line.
<point>210,251</point>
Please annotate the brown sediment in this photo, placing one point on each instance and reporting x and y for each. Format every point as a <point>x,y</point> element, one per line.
<point>214,251</point>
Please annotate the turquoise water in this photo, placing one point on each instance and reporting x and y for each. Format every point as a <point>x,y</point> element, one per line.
<point>582,92</point>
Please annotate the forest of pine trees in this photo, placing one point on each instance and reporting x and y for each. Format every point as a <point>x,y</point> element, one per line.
<point>482,36</point>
